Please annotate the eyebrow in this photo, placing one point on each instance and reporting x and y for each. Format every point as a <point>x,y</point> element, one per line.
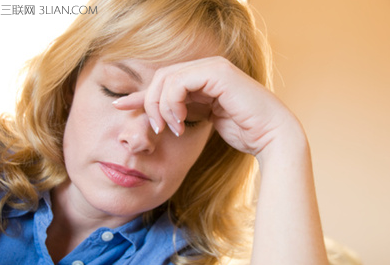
<point>129,71</point>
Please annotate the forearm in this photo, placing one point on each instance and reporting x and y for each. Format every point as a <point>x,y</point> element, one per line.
<point>252,120</point>
<point>288,228</point>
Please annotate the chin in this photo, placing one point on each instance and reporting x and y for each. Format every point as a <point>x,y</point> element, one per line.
<point>118,206</point>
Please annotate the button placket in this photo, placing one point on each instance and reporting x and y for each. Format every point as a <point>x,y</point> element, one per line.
<point>107,236</point>
<point>77,262</point>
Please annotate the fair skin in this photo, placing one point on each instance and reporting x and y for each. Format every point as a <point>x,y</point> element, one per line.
<point>118,167</point>
<point>254,121</point>
<point>146,131</point>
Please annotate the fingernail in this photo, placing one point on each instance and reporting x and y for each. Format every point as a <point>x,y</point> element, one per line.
<point>154,125</point>
<point>175,117</point>
<point>173,130</point>
<point>116,101</point>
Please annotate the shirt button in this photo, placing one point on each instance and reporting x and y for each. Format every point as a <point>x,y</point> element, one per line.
<point>107,236</point>
<point>77,262</point>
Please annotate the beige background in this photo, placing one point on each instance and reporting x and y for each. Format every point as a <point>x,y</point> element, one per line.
<point>333,62</point>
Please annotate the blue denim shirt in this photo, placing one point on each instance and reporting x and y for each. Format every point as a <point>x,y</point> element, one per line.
<point>132,243</point>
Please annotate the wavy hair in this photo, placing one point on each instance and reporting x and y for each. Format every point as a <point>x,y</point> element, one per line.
<point>214,203</point>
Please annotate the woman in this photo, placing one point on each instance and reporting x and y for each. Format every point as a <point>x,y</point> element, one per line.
<point>135,141</point>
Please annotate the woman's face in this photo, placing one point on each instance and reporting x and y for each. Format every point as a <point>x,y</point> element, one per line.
<point>116,163</point>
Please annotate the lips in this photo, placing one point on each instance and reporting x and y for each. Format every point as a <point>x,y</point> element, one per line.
<point>123,176</point>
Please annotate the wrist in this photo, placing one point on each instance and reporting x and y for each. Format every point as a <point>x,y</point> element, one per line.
<point>287,143</point>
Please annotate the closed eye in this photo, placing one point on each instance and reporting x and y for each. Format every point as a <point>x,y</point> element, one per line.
<point>112,94</point>
<point>109,93</point>
<point>191,124</point>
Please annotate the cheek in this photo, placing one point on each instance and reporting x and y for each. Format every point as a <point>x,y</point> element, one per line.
<point>187,148</point>
<point>79,126</point>
<point>83,128</point>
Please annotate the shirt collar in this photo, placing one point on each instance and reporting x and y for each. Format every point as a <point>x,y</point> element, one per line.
<point>134,231</point>
<point>10,212</point>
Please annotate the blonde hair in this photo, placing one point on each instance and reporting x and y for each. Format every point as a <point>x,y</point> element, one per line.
<point>213,203</point>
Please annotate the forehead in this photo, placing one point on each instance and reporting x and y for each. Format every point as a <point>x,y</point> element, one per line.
<point>136,64</point>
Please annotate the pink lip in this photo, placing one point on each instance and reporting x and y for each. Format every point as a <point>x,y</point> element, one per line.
<point>123,176</point>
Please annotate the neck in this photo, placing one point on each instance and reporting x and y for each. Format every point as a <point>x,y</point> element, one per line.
<point>74,220</point>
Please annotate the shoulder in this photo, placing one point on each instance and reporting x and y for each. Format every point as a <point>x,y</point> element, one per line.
<point>9,212</point>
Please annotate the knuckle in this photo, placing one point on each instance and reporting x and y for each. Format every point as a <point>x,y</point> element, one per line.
<point>174,80</point>
<point>160,72</point>
<point>224,64</point>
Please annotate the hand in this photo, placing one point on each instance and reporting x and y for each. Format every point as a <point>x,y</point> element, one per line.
<point>245,114</point>
<point>252,120</point>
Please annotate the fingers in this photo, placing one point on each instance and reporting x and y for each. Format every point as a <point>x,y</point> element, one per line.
<point>173,102</point>
<point>167,96</point>
<point>136,100</point>
<point>133,101</point>
<point>155,104</point>
<point>171,89</point>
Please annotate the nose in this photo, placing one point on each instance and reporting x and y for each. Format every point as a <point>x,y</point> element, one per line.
<point>136,134</point>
